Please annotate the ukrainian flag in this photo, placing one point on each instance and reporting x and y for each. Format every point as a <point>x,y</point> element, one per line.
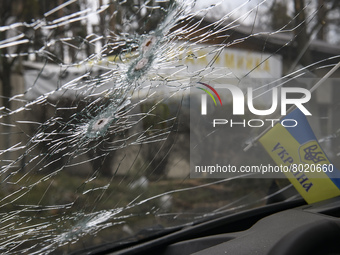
<point>310,171</point>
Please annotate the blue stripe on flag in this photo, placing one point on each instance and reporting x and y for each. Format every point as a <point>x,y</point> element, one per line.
<point>304,133</point>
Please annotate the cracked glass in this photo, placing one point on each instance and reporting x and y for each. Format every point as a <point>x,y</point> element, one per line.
<point>95,120</point>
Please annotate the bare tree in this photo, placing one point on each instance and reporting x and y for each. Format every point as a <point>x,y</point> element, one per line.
<point>307,25</point>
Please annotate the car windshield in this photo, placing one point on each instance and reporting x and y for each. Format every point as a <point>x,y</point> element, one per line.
<point>120,120</point>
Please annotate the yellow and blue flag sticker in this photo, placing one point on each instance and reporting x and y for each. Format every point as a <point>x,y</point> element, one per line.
<point>296,148</point>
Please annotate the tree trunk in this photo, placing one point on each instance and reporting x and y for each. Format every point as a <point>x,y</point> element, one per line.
<point>321,19</point>
<point>302,37</point>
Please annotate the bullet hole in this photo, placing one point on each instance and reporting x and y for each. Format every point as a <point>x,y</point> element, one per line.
<point>141,64</point>
<point>98,127</point>
<point>148,44</point>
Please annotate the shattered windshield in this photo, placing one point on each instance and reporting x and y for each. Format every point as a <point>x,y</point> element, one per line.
<point>103,104</point>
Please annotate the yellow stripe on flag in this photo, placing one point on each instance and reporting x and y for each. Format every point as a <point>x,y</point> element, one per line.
<point>284,150</point>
